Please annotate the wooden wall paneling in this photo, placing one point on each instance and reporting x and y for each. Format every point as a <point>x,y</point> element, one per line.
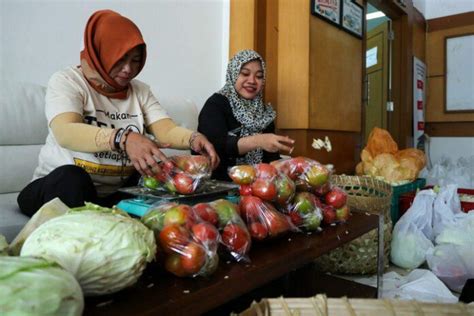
<point>344,155</point>
<point>419,36</point>
<point>435,47</point>
<point>243,29</point>
<point>405,136</point>
<point>450,129</point>
<point>335,59</point>
<point>293,63</point>
<point>397,79</point>
<point>451,21</point>
<point>271,52</point>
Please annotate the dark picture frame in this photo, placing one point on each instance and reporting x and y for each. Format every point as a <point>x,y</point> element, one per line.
<point>328,10</point>
<point>458,63</point>
<point>352,18</point>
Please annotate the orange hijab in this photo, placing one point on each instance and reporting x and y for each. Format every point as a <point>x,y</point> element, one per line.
<point>107,38</point>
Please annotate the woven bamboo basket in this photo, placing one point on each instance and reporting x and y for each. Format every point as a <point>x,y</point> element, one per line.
<point>319,305</point>
<point>365,194</point>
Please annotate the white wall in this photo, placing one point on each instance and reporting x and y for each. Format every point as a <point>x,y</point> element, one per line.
<point>432,9</point>
<point>187,41</point>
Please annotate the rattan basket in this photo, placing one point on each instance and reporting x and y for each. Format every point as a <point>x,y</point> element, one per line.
<point>319,305</point>
<point>365,194</point>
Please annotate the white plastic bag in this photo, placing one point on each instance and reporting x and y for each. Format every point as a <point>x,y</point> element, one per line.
<point>460,232</point>
<point>445,208</point>
<point>452,264</point>
<point>421,285</point>
<point>413,233</point>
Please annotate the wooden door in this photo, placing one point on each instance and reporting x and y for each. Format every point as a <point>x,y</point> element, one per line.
<point>377,79</point>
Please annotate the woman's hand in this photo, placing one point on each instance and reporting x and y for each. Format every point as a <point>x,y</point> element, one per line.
<point>274,143</point>
<point>144,153</point>
<point>199,143</point>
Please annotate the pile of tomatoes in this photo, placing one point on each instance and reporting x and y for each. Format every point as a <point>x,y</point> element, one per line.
<point>298,187</point>
<point>264,181</point>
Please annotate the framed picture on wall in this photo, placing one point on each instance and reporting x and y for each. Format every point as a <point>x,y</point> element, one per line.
<point>459,65</point>
<point>329,10</point>
<point>352,18</point>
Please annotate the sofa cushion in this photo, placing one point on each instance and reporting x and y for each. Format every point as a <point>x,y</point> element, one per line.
<point>23,130</point>
<point>11,219</point>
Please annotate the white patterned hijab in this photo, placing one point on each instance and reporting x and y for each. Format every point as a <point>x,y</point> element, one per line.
<point>253,114</point>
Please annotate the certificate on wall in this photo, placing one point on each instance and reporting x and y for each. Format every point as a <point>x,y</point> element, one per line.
<point>352,17</point>
<point>329,10</point>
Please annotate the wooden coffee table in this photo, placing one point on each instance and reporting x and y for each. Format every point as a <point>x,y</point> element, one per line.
<point>160,293</point>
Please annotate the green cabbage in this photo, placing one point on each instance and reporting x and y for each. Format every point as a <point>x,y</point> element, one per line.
<point>106,251</point>
<point>31,286</point>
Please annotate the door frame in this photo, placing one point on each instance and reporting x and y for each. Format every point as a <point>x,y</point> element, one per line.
<point>400,120</point>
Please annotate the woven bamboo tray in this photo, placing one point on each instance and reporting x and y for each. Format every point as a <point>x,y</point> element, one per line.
<point>319,305</point>
<point>365,194</point>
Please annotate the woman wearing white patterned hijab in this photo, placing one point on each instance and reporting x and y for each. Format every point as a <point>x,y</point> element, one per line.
<point>236,120</point>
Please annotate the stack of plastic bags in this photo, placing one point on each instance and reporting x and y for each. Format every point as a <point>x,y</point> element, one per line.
<point>435,230</point>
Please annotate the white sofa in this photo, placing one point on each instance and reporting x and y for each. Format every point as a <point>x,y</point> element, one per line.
<point>23,130</point>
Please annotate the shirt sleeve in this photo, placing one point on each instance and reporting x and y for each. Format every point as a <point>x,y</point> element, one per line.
<point>213,123</point>
<point>151,107</point>
<point>63,95</point>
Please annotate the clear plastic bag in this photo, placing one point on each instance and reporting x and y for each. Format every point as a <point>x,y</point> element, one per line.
<point>181,174</point>
<point>413,233</point>
<point>187,244</point>
<point>445,208</point>
<point>263,220</point>
<point>264,181</point>
<point>308,174</point>
<point>49,210</point>
<point>452,264</point>
<point>234,233</point>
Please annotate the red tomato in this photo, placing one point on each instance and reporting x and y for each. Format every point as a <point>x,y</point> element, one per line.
<point>285,189</point>
<point>300,164</point>
<point>236,238</point>
<point>173,237</point>
<point>206,213</point>
<point>264,189</point>
<point>173,264</point>
<point>165,171</point>
<point>250,207</point>
<point>258,231</point>
<point>337,198</point>
<point>194,164</point>
<point>205,233</point>
<point>329,215</point>
<point>343,213</point>
<point>184,184</point>
<point>193,257</point>
<point>242,174</point>
<point>277,222</point>
<point>245,189</point>
<point>296,218</point>
<point>266,171</point>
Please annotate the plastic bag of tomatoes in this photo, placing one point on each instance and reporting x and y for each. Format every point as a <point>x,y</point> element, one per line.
<point>187,244</point>
<point>308,174</point>
<point>181,174</point>
<point>305,211</point>
<point>263,220</point>
<point>264,181</point>
<point>234,234</point>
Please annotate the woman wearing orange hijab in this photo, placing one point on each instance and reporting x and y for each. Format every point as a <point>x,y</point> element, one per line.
<point>97,115</point>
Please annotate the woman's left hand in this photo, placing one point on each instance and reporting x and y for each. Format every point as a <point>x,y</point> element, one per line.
<point>203,146</point>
